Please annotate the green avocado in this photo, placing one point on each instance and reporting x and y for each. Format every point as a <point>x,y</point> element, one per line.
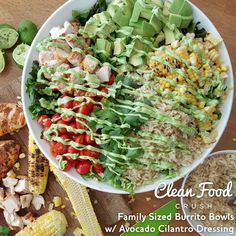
<point>175,19</point>
<point>156,23</point>
<point>124,32</point>
<point>119,46</point>
<point>169,35</point>
<point>103,47</point>
<point>137,59</point>
<point>143,28</point>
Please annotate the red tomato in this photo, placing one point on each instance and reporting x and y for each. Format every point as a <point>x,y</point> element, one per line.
<point>47,122</point>
<point>89,140</point>
<point>69,159</point>
<point>68,166</point>
<point>98,168</point>
<point>67,104</point>
<point>61,149</point>
<point>72,150</point>
<point>79,125</point>
<point>53,149</point>
<point>42,118</point>
<point>83,167</point>
<point>86,109</point>
<point>104,89</point>
<point>65,136</point>
<point>62,130</point>
<point>111,79</point>
<point>56,116</point>
<point>89,153</point>
<point>76,103</point>
<point>80,139</point>
<point>68,119</point>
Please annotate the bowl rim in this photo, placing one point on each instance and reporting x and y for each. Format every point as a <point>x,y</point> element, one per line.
<point>109,188</point>
<point>182,199</point>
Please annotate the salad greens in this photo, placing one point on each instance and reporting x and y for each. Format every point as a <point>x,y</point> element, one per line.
<point>4,230</point>
<point>39,94</point>
<point>84,16</point>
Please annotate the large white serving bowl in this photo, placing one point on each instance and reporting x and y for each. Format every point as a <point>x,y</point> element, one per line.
<point>196,223</point>
<point>59,17</point>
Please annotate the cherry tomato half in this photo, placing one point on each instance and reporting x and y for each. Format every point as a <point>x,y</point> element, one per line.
<point>68,119</point>
<point>86,109</point>
<point>61,148</point>
<point>62,130</point>
<point>72,150</point>
<point>89,153</point>
<point>47,122</point>
<point>80,139</point>
<point>111,79</point>
<point>98,168</point>
<point>89,140</point>
<point>56,116</point>
<point>42,118</point>
<point>67,104</point>
<point>68,166</point>
<point>83,167</point>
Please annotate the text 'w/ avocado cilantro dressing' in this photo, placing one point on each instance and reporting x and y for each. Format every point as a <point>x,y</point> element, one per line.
<point>128,96</point>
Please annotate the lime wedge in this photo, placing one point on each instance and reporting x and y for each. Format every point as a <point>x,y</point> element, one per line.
<point>8,38</point>
<point>4,25</point>
<point>27,31</point>
<point>19,54</point>
<point>2,61</point>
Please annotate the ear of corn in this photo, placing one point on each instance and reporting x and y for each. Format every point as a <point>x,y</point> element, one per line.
<point>38,168</point>
<point>52,223</point>
<point>81,204</point>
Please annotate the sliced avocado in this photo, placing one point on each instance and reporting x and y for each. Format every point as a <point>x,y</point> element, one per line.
<point>125,68</point>
<point>143,28</point>
<point>112,9</point>
<point>124,32</point>
<point>104,16</point>
<point>175,19</point>
<point>156,23</point>
<point>160,38</point>
<point>169,35</point>
<point>137,59</point>
<point>176,6</point>
<point>158,3</point>
<point>103,47</point>
<point>105,30</point>
<point>141,9</point>
<point>119,46</point>
<point>186,20</point>
<point>178,34</point>
<point>122,18</point>
<point>186,9</point>
<point>166,7</point>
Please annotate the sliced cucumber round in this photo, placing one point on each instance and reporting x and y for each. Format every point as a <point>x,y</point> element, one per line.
<point>19,54</point>
<point>2,61</point>
<point>8,38</point>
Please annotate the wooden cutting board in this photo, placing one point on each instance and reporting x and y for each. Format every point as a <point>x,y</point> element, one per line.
<point>222,13</point>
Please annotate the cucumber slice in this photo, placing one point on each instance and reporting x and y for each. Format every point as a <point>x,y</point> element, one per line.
<point>19,54</point>
<point>2,61</point>
<point>8,38</point>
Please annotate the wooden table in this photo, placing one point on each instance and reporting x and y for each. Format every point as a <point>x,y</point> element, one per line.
<point>222,13</point>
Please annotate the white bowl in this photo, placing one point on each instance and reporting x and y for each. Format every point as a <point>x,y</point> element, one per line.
<point>195,223</point>
<point>64,13</point>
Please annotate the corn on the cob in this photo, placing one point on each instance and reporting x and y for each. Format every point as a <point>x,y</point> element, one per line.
<point>81,204</point>
<point>38,168</point>
<point>51,223</point>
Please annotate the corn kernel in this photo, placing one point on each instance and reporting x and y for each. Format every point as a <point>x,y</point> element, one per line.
<point>57,201</point>
<point>11,174</point>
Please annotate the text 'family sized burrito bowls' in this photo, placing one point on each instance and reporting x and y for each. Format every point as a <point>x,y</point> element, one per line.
<point>128,94</point>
